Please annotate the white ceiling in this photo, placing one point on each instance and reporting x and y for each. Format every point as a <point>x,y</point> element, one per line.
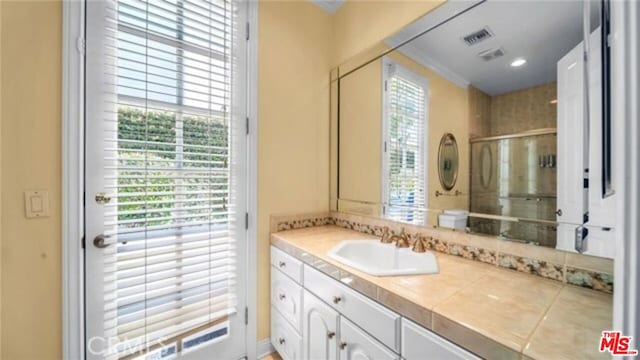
<point>539,31</point>
<point>330,6</point>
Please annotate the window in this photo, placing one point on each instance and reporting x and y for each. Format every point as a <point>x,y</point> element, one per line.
<point>173,161</point>
<point>404,137</point>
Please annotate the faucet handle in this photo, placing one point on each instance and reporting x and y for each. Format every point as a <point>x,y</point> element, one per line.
<point>420,244</point>
<point>386,237</point>
<point>402,240</point>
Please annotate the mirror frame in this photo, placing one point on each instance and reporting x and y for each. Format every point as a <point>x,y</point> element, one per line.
<point>446,137</point>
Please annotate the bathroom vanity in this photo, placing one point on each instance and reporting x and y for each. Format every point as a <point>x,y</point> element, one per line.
<point>322,309</point>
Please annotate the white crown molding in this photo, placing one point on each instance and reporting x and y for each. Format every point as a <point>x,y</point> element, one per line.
<point>330,6</point>
<point>419,56</point>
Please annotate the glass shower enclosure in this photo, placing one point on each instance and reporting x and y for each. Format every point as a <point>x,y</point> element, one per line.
<point>514,177</point>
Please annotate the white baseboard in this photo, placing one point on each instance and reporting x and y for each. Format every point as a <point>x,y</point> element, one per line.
<point>264,348</point>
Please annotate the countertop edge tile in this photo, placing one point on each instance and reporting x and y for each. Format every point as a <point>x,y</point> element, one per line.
<point>472,340</point>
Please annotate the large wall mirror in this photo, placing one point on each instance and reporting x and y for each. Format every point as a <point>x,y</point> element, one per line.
<point>474,120</point>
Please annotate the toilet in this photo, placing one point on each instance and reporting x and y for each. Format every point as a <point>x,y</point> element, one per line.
<point>453,219</point>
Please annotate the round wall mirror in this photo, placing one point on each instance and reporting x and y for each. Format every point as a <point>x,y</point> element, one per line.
<point>448,161</point>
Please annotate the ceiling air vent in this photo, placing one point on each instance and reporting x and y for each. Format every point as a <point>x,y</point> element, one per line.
<point>491,54</point>
<point>478,36</point>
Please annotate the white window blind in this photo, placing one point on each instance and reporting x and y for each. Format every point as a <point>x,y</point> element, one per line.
<point>173,168</point>
<point>404,144</point>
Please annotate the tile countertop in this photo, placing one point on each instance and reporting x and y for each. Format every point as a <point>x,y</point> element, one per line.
<point>494,312</point>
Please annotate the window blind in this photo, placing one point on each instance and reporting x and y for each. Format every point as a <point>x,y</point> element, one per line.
<point>404,145</point>
<point>172,168</point>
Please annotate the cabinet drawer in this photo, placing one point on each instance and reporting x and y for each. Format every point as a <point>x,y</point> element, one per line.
<point>286,296</point>
<point>284,338</point>
<point>374,318</point>
<point>418,341</point>
<point>357,344</point>
<point>286,263</point>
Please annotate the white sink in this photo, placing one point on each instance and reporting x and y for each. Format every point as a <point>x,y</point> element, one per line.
<point>378,259</point>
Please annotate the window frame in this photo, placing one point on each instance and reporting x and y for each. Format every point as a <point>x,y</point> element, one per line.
<point>387,64</point>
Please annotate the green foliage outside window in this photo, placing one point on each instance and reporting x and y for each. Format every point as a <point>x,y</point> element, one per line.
<point>166,162</point>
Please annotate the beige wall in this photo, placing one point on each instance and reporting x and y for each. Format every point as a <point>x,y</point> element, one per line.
<point>361,138</point>
<point>293,176</point>
<point>31,121</point>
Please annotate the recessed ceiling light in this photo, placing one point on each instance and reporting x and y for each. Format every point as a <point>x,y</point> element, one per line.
<point>518,62</point>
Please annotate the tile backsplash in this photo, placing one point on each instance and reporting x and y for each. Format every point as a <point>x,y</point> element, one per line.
<point>581,270</point>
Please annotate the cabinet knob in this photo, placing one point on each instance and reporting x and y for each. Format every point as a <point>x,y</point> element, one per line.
<point>281,341</point>
<point>331,334</point>
<point>343,345</point>
<point>336,299</point>
<point>559,212</point>
<point>282,296</point>
<point>282,264</point>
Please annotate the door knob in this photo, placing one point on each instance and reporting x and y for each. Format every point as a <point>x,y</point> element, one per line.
<point>343,345</point>
<point>102,198</point>
<point>559,212</point>
<point>281,341</point>
<point>336,299</point>
<point>101,242</point>
<point>282,296</point>
<point>282,264</point>
<point>331,334</point>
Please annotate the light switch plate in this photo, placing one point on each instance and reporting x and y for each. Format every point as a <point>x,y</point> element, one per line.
<point>36,204</point>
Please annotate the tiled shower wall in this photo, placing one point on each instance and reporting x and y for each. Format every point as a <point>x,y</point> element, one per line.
<point>516,111</point>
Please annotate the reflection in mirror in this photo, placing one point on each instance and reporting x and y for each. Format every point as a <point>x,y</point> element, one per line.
<point>503,81</point>
<point>448,161</point>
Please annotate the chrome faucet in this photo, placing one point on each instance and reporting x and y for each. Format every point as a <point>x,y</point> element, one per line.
<point>402,240</point>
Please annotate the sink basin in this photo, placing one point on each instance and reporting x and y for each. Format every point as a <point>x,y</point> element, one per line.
<point>378,259</point>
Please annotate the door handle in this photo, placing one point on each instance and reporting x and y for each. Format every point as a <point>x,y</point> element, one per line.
<point>101,242</point>
<point>102,198</point>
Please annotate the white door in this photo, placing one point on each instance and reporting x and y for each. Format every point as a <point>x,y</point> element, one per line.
<point>165,180</point>
<point>571,140</point>
<point>355,344</point>
<point>320,328</point>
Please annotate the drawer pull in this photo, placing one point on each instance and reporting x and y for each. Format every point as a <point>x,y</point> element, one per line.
<point>331,334</point>
<point>343,345</point>
<point>281,341</point>
<point>337,299</point>
<point>282,296</point>
<point>282,264</point>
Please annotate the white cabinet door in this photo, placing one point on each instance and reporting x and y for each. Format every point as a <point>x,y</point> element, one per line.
<point>376,319</point>
<point>356,344</point>
<point>320,330</point>
<point>571,138</point>
<point>418,342</point>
